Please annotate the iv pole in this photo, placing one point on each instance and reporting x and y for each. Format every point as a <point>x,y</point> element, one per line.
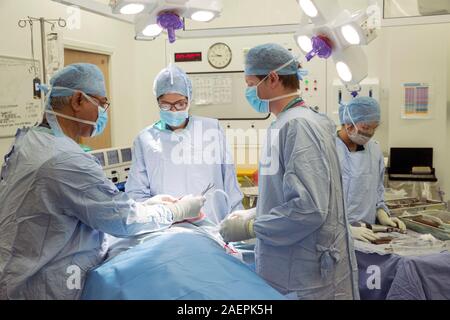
<point>23,23</point>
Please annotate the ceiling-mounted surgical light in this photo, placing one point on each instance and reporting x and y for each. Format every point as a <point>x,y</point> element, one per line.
<point>351,35</point>
<point>127,6</point>
<point>356,30</point>
<point>303,38</point>
<point>344,71</point>
<point>203,16</point>
<point>308,8</point>
<point>351,65</point>
<point>152,30</point>
<point>305,43</point>
<point>132,8</point>
<point>168,15</point>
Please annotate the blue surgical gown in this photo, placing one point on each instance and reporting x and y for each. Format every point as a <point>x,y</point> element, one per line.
<point>56,204</point>
<point>184,162</point>
<point>363,179</point>
<point>303,248</point>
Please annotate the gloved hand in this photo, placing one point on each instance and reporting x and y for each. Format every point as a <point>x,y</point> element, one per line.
<point>385,220</point>
<point>363,234</point>
<point>186,208</point>
<point>238,226</point>
<point>161,199</point>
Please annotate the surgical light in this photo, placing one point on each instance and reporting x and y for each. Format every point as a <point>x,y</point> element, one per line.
<point>352,65</point>
<point>170,15</point>
<point>309,8</point>
<point>203,16</point>
<point>132,8</point>
<point>152,30</point>
<point>344,71</point>
<point>128,7</point>
<point>305,43</point>
<point>351,35</point>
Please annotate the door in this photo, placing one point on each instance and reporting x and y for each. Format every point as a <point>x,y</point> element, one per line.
<point>102,61</point>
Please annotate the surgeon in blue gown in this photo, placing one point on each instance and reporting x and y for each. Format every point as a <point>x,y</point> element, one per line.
<point>362,164</point>
<point>56,202</point>
<point>303,248</point>
<point>183,154</point>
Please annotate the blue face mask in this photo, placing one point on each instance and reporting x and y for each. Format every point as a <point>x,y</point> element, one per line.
<point>261,106</point>
<point>101,122</point>
<point>99,125</point>
<point>174,119</point>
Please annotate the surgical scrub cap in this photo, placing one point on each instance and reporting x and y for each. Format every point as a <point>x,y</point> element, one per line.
<point>172,80</point>
<point>84,77</point>
<point>361,109</point>
<point>266,58</point>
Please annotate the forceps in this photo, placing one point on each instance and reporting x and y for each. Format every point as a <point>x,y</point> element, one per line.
<point>208,188</point>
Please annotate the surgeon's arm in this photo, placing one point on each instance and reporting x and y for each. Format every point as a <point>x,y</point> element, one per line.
<point>138,184</point>
<point>77,187</point>
<point>230,182</point>
<point>306,190</point>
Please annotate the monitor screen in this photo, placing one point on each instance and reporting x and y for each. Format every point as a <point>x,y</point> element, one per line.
<point>113,157</point>
<point>100,157</point>
<point>126,155</point>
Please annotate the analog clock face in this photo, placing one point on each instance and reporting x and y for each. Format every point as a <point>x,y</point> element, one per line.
<point>219,55</point>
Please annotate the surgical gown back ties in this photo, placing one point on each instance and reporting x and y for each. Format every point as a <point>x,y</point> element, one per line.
<point>303,248</point>
<point>56,204</point>
<point>184,162</point>
<point>363,181</point>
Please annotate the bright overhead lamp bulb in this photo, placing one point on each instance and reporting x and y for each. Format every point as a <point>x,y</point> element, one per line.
<point>344,71</point>
<point>309,8</point>
<point>203,16</point>
<point>132,8</point>
<point>305,43</point>
<point>152,30</point>
<point>351,35</point>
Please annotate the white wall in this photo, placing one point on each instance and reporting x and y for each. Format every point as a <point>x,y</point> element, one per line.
<point>419,54</point>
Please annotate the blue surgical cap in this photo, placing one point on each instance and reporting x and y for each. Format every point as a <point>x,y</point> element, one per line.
<point>264,59</point>
<point>173,80</point>
<point>361,109</point>
<point>84,77</point>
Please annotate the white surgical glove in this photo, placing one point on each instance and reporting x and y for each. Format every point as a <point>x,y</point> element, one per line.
<point>238,226</point>
<point>385,220</point>
<point>186,208</point>
<point>363,234</point>
<point>160,199</point>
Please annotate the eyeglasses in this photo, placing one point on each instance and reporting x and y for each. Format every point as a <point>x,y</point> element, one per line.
<point>105,106</point>
<point>179,106</point>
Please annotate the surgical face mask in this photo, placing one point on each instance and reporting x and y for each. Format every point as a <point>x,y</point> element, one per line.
<point>99,125</point>
<point>174,119</point>
<point>359,137</point>
<point>263,105</point>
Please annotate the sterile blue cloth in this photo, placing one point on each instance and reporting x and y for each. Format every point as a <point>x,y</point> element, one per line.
<point>176,265</point>
<point>405,278</point>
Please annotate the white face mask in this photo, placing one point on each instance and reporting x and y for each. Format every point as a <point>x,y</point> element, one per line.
<point>358,137</point>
